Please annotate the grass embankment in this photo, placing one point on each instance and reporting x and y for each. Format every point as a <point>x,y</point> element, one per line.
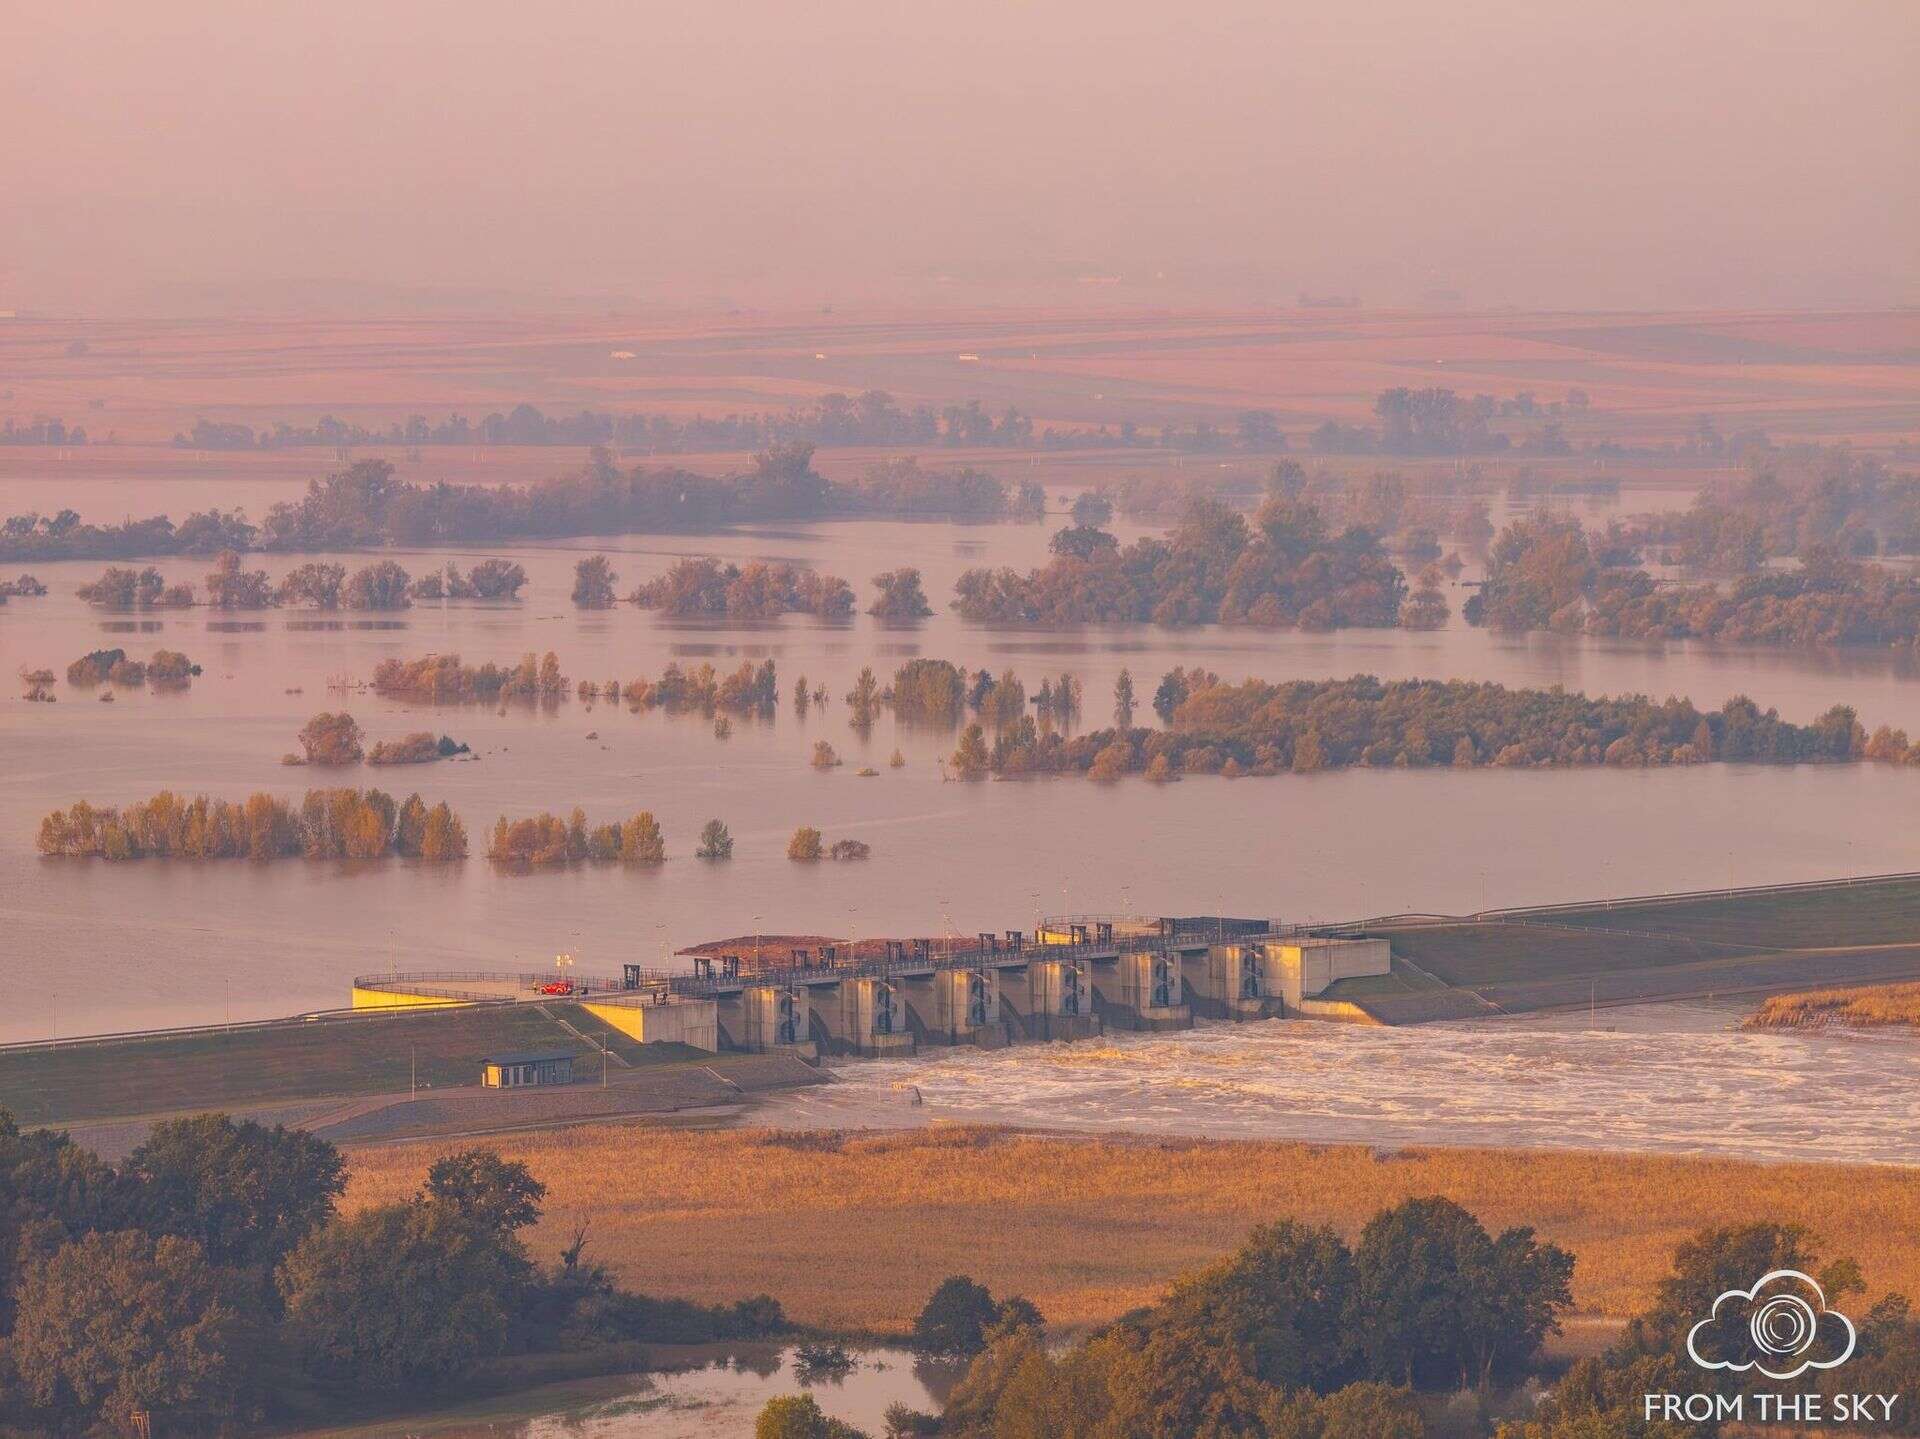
<point>853,1231</point>
<point>1830,936</point>
<point>345,1057</point>
<point>1885,911</point>
<point>1871,1007</point>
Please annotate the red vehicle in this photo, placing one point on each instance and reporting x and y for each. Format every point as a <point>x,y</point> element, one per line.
<point>557,986</point>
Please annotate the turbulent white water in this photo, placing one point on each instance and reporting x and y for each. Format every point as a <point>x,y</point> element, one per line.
<point>1672,1078</point>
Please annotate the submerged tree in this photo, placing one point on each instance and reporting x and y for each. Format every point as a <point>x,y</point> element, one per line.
<point>593,582</point>
<point>331,739</point>
<point>715,841</point>
<point>900,596</point>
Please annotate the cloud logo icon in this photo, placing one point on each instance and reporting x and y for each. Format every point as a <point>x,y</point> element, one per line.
<point>1780,1327</point>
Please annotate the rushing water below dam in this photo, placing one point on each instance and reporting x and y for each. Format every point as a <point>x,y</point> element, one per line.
<point>1672,1078</point>
<point>88,946</point>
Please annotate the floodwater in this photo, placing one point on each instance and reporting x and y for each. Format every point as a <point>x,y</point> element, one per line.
<point>718,1399</point>
<point>1670,1078</point>
<point>722,1400</point>
<point>87,947</point>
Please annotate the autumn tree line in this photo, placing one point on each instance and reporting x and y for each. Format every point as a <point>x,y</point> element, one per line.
<point>1426,1324</point>
<point>208,1284</point>
<point>166,669</point>
<point>365,506</point>
<point>1304,726</point>
<point>327,824</point>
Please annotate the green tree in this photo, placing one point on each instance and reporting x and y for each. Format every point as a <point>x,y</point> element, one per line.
<point>479,1186</point>
<point>715,841</point>
<point>1370,1411</point>
<point>955,1319</point>
<point>1436,1299</point>
<point>120,1322</point>
<point>244,1193</point>
<point>400,1296</point>
<point>1092,510</point>
<point>799,1416</point>
<point>1123,701</point>
<point>51,1191</point>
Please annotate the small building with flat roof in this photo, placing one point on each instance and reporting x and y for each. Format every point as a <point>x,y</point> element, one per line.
<point>516,1071</point>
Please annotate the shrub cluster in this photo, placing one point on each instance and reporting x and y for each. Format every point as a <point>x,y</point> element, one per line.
<point>442,679</point>
<point>758,591</point>
<point>547,839</point>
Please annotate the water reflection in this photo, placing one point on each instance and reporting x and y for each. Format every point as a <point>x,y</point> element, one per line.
<point>720,1400</point>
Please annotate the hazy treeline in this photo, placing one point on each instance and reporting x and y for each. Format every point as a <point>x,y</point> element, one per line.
<point>208,1284</point>
<point>873,417</point>
<point>1546,572</point>
<point>328,824</point>
<point>1283,570</point>
<point>1439,422</point>
<point>41,430</point>
<point>1789,500</point>
<point>366,507</point>
<point>1305,726</point>
<point>1412,422</point>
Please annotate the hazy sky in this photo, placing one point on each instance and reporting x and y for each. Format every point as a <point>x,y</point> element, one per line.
<point>172,155</point>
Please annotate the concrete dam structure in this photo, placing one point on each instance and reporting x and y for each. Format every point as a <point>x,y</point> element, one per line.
<point>1071,978</point>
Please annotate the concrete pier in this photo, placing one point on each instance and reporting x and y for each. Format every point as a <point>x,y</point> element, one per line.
<point>1142,989</point>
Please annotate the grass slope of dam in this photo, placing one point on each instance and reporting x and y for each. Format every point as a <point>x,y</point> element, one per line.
<point>1716,943</point>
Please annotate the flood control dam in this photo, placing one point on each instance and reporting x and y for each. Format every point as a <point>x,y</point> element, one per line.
<point>467,1052</point>
<point>1072,977</point>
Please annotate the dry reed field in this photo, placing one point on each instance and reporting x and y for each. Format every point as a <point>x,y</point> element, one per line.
<point>1875,1005</point>
<point>854,1230</point>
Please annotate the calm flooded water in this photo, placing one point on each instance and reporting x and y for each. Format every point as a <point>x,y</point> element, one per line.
<point>717,1400</point>
<point>89,947</point>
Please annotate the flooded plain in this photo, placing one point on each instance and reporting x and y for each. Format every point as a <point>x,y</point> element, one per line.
<point>88,947</point>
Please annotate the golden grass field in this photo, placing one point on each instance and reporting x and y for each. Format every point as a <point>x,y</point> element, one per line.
<point>854,1230</point>
<point>1868,1005</point>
